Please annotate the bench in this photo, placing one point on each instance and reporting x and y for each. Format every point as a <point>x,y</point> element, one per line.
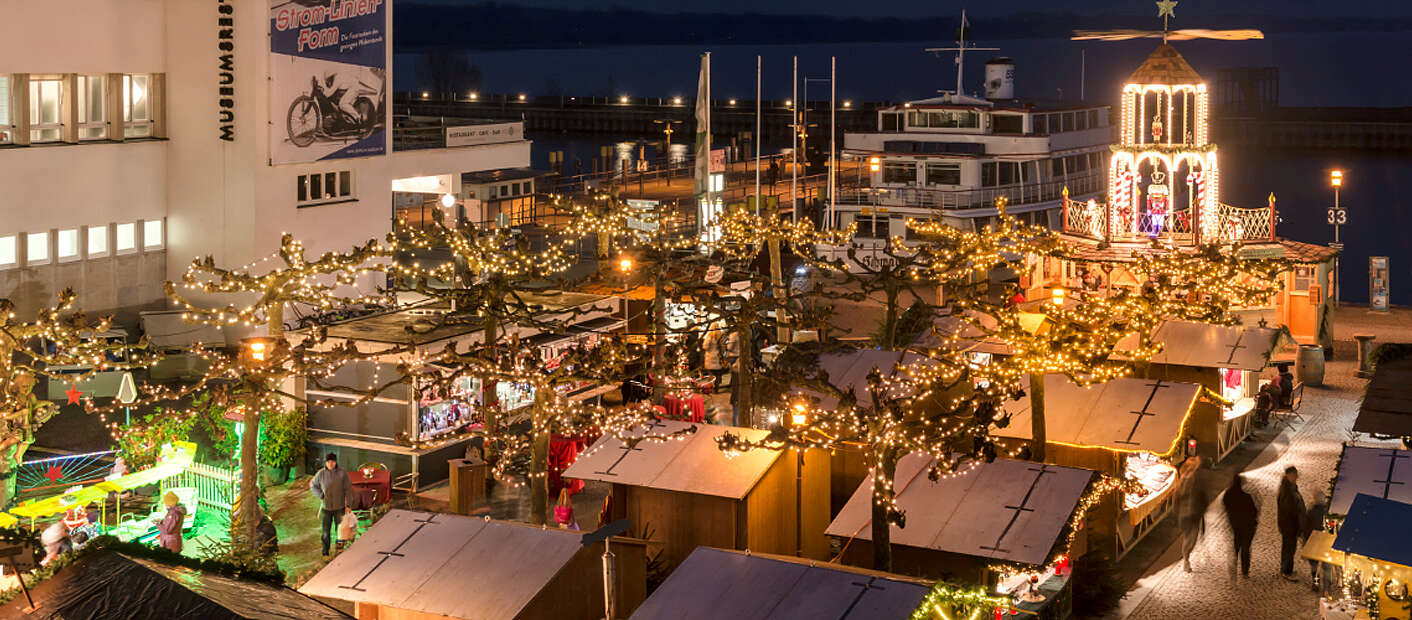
<point>1287,415</point>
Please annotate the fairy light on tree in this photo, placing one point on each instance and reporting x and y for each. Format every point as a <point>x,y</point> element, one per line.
<point>29,352</point>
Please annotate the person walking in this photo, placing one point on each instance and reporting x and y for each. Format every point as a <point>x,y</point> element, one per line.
<point>335,490</point>
<point>1193,512</point>
<point>169,530</point>
<point>1291,516</point>
<point>1242,514</point>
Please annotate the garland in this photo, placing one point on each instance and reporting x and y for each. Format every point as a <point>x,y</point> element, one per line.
<point>948,601</point>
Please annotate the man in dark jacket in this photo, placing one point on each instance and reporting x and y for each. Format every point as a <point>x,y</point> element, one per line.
<point>333,486</point>
<point>1241,511</point>
<point>1291,515</point>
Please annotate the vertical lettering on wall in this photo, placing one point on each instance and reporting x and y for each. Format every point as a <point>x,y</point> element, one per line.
<point>225,45</point>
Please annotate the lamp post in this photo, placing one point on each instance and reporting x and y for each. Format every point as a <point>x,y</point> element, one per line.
<point>799,418</point>
<point>625,267</point>
<point>1337,217</point>
<point>255,356</point>
<point>667,146</point>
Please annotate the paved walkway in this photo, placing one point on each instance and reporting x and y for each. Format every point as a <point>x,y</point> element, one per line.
<point>1165,591</point>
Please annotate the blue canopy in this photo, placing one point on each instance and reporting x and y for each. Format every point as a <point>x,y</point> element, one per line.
<point>1377,528</point>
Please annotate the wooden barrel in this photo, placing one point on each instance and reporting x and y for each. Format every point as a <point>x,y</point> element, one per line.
<point>1309,365</point>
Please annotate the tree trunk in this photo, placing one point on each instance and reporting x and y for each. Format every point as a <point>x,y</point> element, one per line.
<point>659,335</point>
<point>539,457</point>
<point>889,331</point>
<point>1037,417</point>
<point>247,507</point>
<point>744,377</point>
<point>884,472</point>
<point>10,462</point>
<point>489,338</point>
<point>777,280</point>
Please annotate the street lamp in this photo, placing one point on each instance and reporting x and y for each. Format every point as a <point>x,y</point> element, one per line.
<point>798,418</point>
<point>257,351</point>
<point>1057,295</point>
<point>1337,217</point>
<point>625,266</point>
<point>667,129</point>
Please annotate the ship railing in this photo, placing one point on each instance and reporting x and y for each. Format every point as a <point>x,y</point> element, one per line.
<point>1173,226</point>
<point>1016,194</point>
<point>1084,218</point>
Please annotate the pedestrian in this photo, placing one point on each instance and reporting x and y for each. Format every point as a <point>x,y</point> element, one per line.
<point>56,541</point>
<point>1242,514</point>
<point>1193,514</point>
<point>266,542</point>
<point>169,530</point>
<point>1292,517</point>
<point>335,490</point>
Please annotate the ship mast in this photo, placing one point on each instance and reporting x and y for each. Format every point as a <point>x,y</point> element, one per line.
<point>960,50</point>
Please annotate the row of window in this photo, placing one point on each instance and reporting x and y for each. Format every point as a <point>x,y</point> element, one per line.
<point>993,173</point>
<point>323,187</point>
<point>937,174</point>
<point>506,190</point>
<point>71,244</point>
<point>1060,122</point>
<point>93,109</point>
<point>1052,123</point>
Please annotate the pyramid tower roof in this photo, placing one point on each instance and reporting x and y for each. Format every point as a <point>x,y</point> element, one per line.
<point>1165,66</point>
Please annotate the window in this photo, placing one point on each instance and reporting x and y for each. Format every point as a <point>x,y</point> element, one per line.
<point>1093,118</point>
<point>945,119</point>
<point>323,187</point>
<point>525,188</point>
<point>1068,121</point>
<point>492,192</point>
<point>137,108</point>
<point>988,174</point>
<point>514,189</point>
<point>97,241</point>
<point>1007,123</point>
<point>152,234</point>
<point>1303,277</point>
<point>871,226</point>
<point>67,245</point>
<point>943,174</point>
<point>1054,126</point>
<point>126,237</point>
<point>900,172</point>
<point>37,247</point>
<point>1080,121</point>
<point>1039,124</point>
<point>91,106</point>
<point>9,250</point>
<point>892,122</point>
<point>4,109</point>
<point>44,118</point>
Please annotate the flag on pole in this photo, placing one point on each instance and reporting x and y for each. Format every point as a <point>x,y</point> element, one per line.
<point>703,137</point>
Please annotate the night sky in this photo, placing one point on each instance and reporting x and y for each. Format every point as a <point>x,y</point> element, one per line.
<point>1189,12</point>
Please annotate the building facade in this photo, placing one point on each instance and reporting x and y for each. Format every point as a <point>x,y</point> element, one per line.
<point>152,132</point>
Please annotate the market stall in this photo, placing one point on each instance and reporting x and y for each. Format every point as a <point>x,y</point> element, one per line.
<point>1382,472</point>
<point>1022,515</point>
<point>1387,404</point>
<point>412,429</point>
<point>1372,554</point>
<point>719,583</point>
<point>685,492</point>
<point>434,565</point>
<point>1131,429</point>
<point>1225,359</point>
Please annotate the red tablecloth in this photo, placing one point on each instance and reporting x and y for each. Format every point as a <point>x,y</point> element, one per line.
<point>691,408</point>
<point>380,483</point>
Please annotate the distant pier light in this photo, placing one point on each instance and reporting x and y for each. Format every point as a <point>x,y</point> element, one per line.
<point>623,99</point>
<point>732,102</point>
<point>847,103</point>
<point>522,96</point>
<point>426,95</point>
<point>676,100</point>
<point>474,96</point>
<point>788,103</point>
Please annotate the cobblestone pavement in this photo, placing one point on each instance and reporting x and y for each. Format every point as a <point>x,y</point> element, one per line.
<point>1167,592</point>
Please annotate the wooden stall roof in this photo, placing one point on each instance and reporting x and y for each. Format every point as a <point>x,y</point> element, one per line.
<point>972,338</point>
<point>715,583</point>
<point>394,327</point>
<point>1377,528</point>
<point>850,370</point>
<point>1387,404</point>
<point>690,464</point>
<point>1004,510</point>
<point>1380,472</point>
<point>1126,414</point>
<point>1211,346</point>
<point>447,565</point>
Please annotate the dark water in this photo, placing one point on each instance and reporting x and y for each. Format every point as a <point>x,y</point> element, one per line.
<point>1345,69</point>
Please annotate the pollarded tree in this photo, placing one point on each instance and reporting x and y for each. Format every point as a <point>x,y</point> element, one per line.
<point>30,351</point>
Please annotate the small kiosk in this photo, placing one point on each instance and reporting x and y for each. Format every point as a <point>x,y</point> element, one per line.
<point>1225,359</point>
<point>424,566</point>
<point>718,583</point>
<point>1131,429</point>
<point>1373,554</point>
<point>684,492</point>
<point>412,431</point>
<point>1021,514</point>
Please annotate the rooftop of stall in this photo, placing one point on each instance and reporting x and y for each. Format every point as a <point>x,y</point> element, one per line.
<point>968,335</point>
<point>1376,528</point>
<point>693,494</point>
<point>1387,403</point>
<point>1382,472</point>
<point>1125,415</point>
<point>416,324</point>
<point>432,565</point>
<point>720,583</point>
<point>1003,511</point>
<point>1202,345</point>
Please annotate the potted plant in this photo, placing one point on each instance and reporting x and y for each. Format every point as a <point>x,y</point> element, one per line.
<point>283,435</point>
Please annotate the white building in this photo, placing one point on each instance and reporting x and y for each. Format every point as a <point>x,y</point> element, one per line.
<point>146,133</point>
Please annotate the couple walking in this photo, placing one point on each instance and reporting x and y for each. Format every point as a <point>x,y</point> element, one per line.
<point>1295,522</point>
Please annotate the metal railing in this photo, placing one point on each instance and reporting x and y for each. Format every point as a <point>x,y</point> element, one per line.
<point>1237,224</point>
<point>1173,226</point>
<point>1086,219</point>
<point>1016,194</point>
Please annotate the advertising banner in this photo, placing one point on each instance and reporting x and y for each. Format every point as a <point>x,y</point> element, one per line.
<point>328,79</point>
<point>470,135</point>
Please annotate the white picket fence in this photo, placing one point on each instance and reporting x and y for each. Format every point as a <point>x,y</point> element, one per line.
<point>216,487</point>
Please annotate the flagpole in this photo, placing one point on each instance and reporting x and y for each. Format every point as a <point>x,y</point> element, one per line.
<point>758,66</point>
<point>833,131</point>
<point>794,148</point>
